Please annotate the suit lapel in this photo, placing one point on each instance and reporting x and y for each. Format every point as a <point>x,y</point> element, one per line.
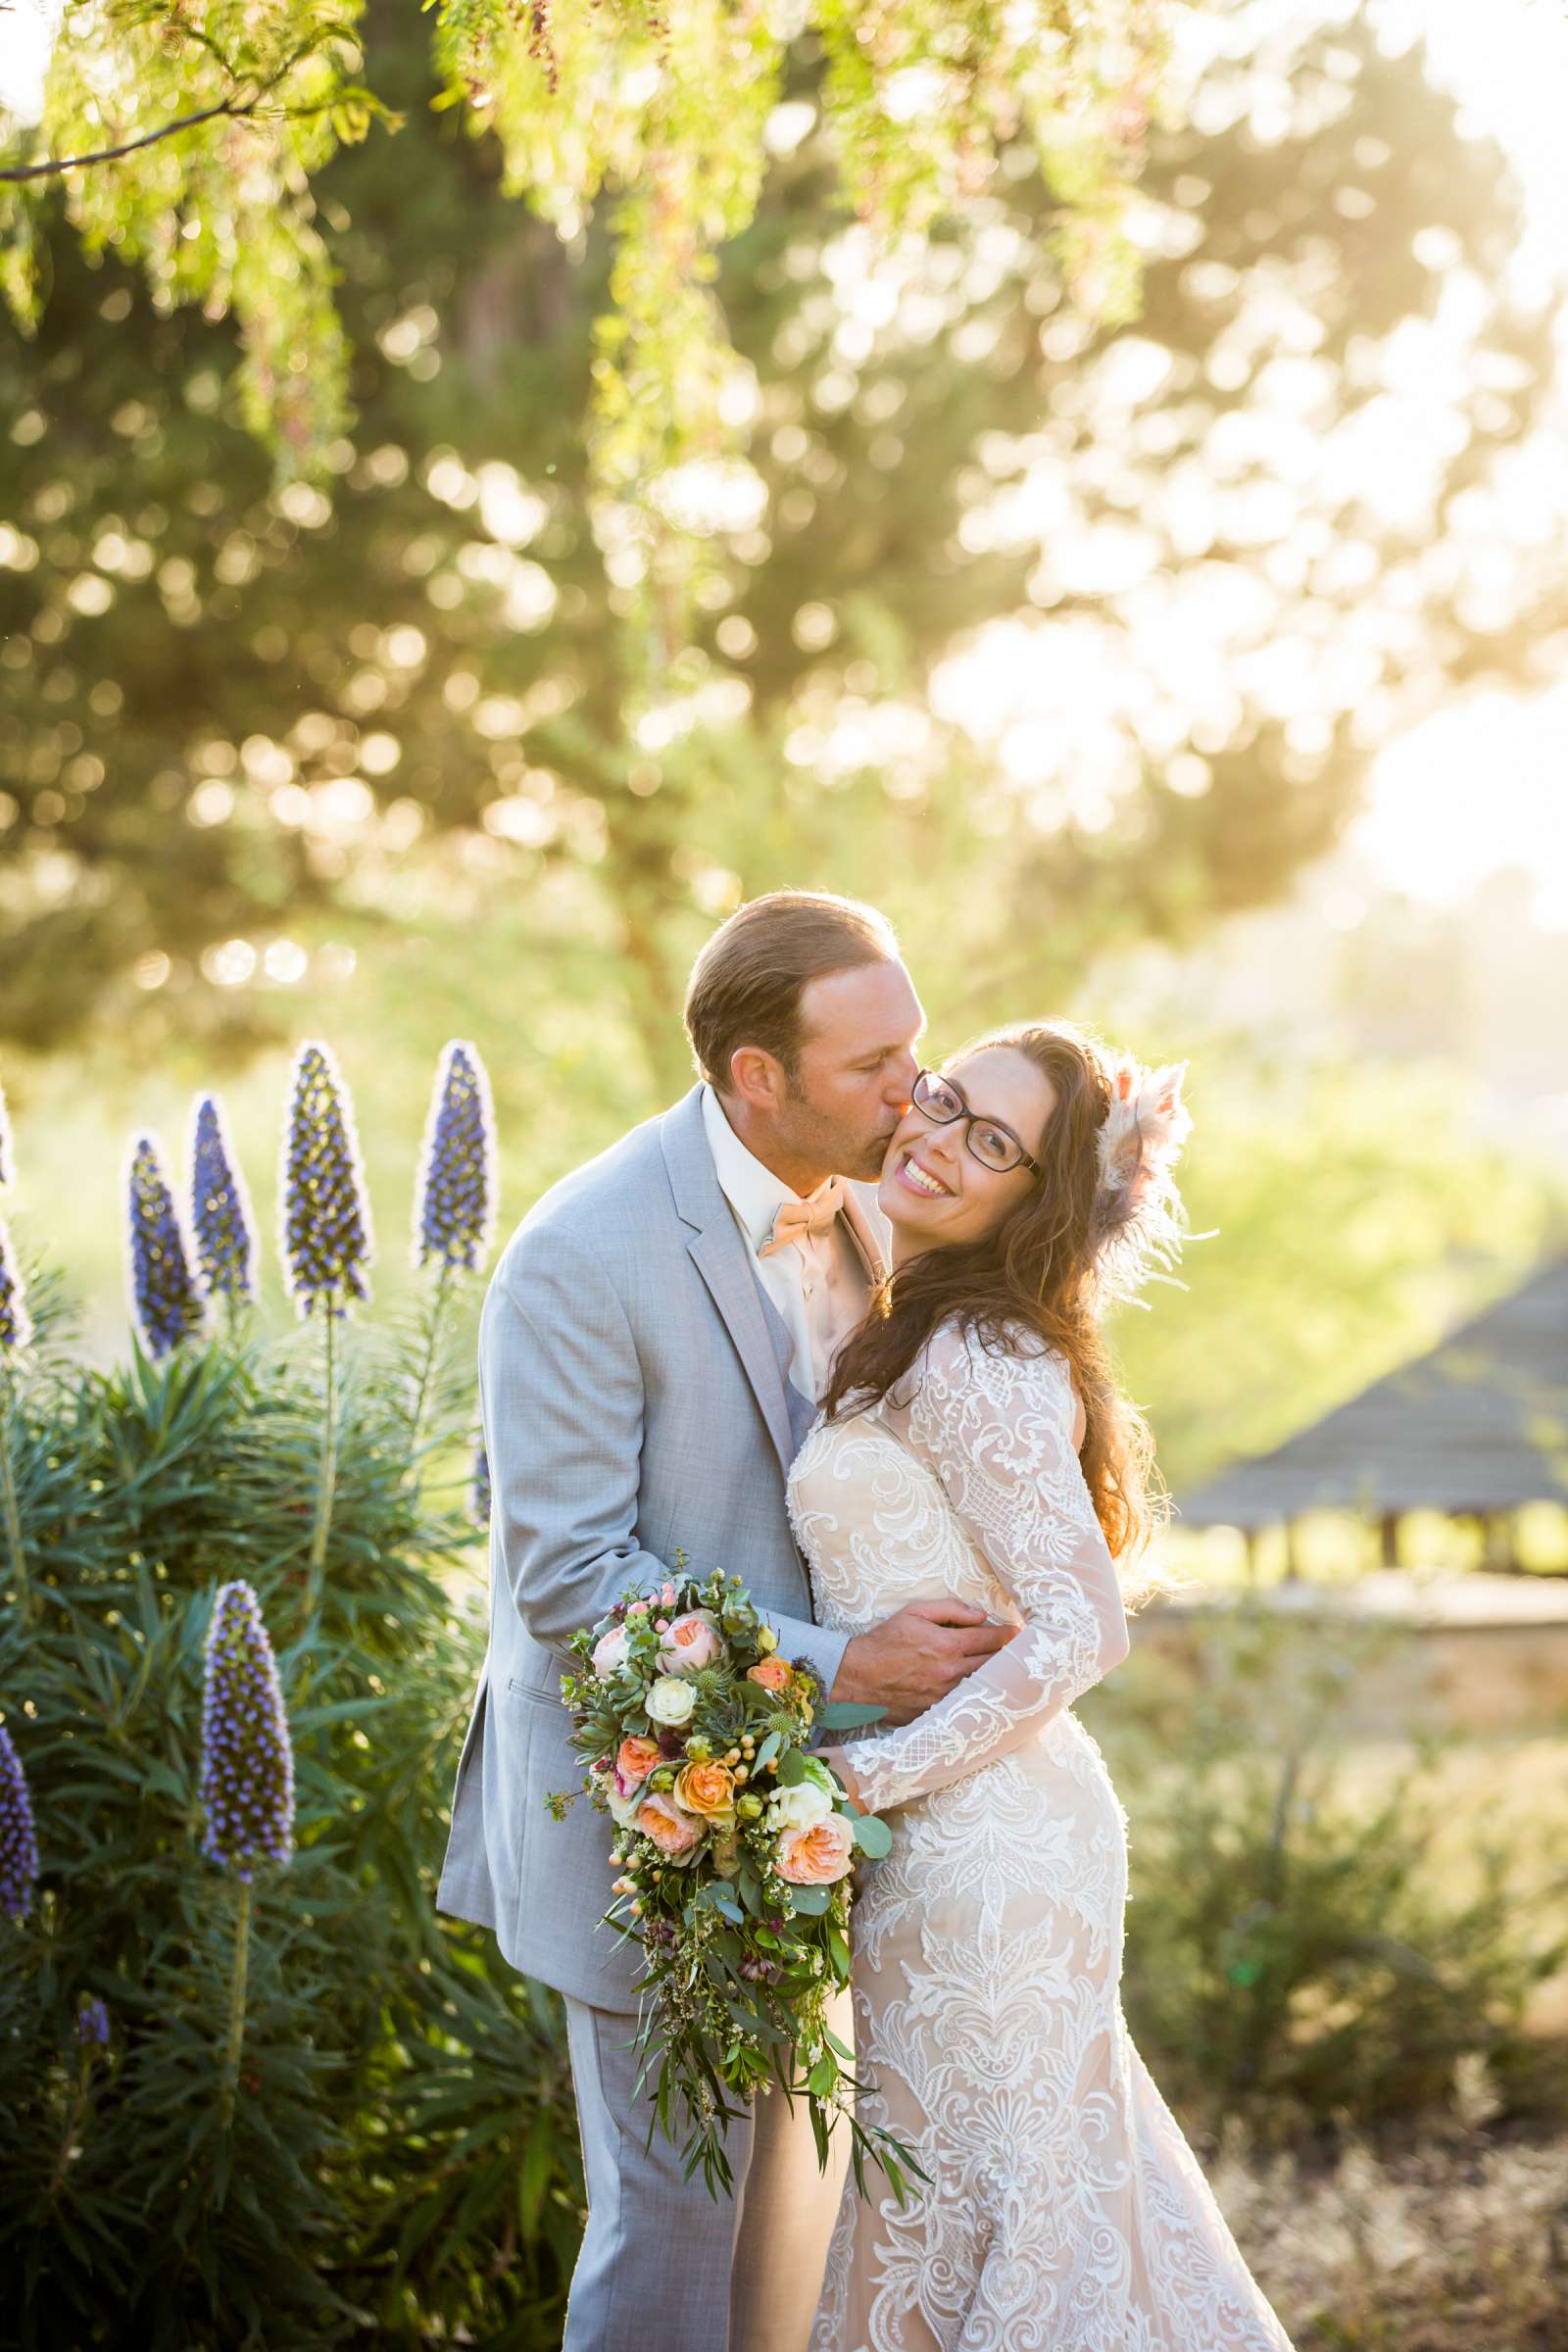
<point>719,1252</point>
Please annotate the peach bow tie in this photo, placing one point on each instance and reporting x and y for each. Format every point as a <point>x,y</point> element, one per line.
<point>805,1220</point>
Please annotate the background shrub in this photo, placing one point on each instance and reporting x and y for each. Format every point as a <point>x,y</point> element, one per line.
<point>1297,1951</point>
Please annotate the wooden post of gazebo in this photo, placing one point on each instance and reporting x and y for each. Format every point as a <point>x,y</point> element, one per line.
<point>1389,1532</point>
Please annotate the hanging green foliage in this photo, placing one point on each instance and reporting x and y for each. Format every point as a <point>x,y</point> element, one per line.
<point>187,138</point>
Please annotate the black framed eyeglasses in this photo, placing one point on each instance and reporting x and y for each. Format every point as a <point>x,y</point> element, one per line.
<point>987,1139</point>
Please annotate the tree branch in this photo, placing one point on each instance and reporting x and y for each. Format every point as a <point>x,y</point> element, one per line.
<point>234,108</point>
<point>149,138</point>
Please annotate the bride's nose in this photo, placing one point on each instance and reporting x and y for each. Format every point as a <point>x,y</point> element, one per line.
<point>946,1146</point>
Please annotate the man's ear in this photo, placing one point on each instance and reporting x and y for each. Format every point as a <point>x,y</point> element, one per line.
<point>759,1079</point>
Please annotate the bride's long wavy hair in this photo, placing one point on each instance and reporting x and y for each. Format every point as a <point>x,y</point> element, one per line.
<point>1036,1269</point>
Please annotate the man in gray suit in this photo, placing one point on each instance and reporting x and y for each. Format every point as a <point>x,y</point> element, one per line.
<point>652,1347</point>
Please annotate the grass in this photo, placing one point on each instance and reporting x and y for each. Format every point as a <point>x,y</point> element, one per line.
<point>1455,2242</point>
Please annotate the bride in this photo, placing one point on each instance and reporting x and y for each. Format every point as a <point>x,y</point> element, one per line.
<point>974,1443</point>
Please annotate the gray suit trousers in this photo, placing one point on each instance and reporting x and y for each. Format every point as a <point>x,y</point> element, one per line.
<point>666,2268</point>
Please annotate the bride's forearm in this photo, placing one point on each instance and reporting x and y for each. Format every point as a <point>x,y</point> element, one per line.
<point>837,1761</point>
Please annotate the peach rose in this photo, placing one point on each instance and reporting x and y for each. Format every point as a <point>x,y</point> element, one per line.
<point>675,1833</point>
<point>635,1759</point>
<point>691,1642</point>
<point>706,1789</point>
<point>772,1672</point>
<point>816,1856</point>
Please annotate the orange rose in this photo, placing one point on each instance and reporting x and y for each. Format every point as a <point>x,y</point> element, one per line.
<point>706,1789</point>
<point>635,1759</point>
<point>674,1833</point>
<point>816,1856</point>
<point>772,1672</point>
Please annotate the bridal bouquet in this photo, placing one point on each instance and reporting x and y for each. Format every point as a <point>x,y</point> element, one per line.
<point>734,1849</point>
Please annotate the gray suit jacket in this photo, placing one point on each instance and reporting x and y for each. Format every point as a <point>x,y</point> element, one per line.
<point>632,1383</point>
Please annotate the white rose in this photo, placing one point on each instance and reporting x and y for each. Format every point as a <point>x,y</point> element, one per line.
<point>671,1699</point>
<point>799,1808</point>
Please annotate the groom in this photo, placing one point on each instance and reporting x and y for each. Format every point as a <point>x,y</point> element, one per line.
<point>651,1347</point>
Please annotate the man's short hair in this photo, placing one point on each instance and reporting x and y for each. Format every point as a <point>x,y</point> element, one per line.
<point>745,985</point>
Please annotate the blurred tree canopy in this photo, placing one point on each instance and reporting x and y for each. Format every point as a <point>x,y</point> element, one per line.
<point>1232,540</point>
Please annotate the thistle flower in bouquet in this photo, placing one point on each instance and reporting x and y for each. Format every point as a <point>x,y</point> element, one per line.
<point>735,1850</point>
<point>165,1303</point>
<point>247,1774</point>
<point>325,1241</point>
<point>454,1210</point>
<point>19,1840</point>
<point>222,1221</point>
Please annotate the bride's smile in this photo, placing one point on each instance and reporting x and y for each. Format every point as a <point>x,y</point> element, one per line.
<point>908,1171</point>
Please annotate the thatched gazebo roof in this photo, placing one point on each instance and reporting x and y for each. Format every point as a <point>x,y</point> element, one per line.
<point>1480,1424</point>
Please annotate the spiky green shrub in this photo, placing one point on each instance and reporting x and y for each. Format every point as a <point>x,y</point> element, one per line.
<point>385,2153</point>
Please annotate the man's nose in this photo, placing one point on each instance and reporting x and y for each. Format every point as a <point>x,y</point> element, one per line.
<point>901,1081</point>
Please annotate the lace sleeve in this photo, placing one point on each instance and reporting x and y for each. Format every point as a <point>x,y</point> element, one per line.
<point>998,1430</point>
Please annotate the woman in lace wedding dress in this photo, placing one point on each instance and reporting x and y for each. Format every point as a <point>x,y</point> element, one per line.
<point>974,1445</point>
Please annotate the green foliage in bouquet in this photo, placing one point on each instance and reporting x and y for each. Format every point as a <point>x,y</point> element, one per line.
<point>254,2089</point>
<point>736,1850</point>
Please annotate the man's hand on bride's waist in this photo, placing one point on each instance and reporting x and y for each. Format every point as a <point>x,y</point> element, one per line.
<point>916,1656</point>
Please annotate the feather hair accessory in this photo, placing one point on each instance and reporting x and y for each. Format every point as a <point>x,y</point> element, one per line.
<point>1137,1223</point>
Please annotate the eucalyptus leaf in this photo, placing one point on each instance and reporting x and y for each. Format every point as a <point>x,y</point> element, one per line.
<point>845,1715</point>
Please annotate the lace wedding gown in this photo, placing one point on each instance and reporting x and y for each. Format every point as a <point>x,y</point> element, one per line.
<point>1065,2211</point>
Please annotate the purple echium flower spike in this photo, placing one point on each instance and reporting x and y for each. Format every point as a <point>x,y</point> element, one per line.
<point>325,1210</point>
<point>165,1303</point>
<point>247,1774</point>
<point>92,2021</point>
<point>19,1840</point>
<point>479,1487</point>
<point>15,1324</point>
<point>454,1209</point>
<point>221,1218</point>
